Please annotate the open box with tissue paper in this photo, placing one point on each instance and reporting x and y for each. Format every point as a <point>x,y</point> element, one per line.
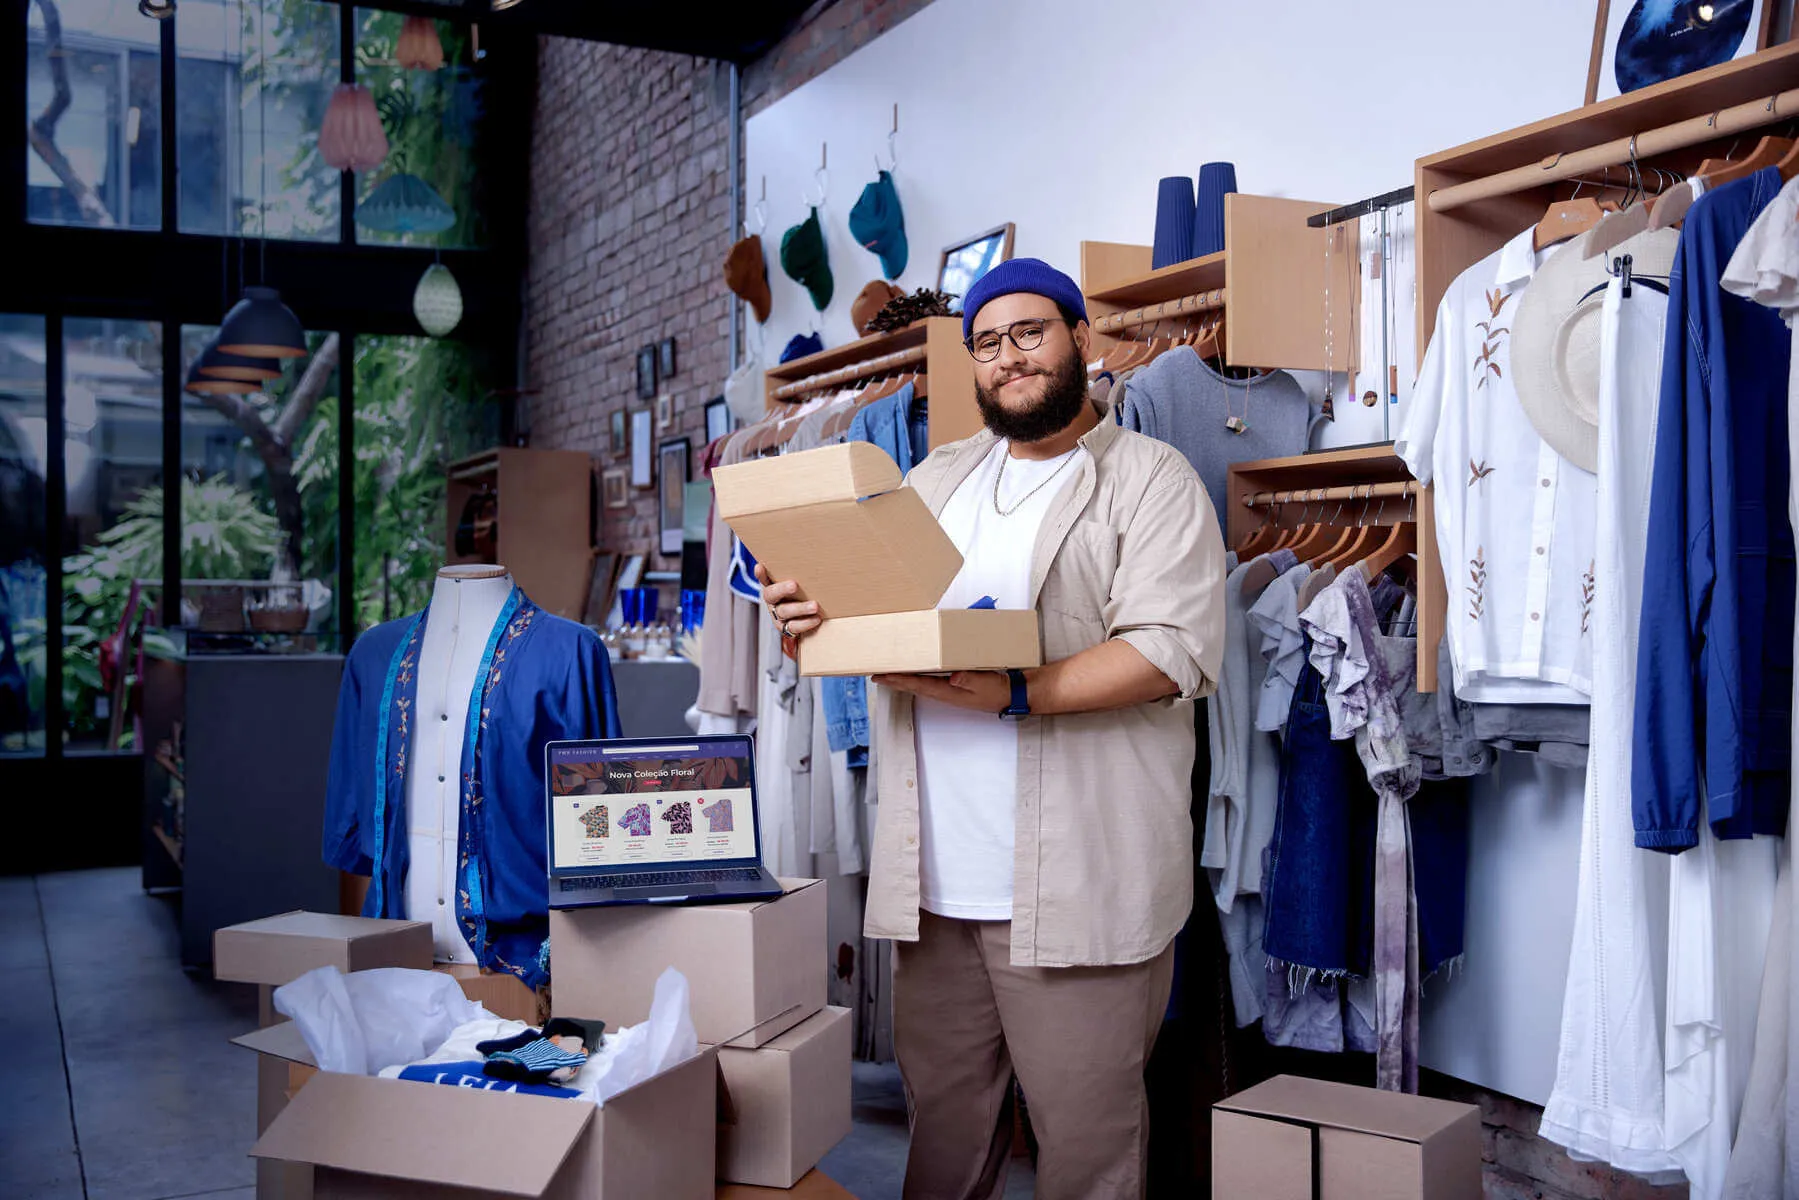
<point>875,561</point>
<point>371,1134</point>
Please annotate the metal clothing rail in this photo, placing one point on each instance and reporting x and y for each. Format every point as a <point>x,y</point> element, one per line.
<point>1361,208</point>
<point>1649,143</point>
<point>861,370</point>
<point>1356,491</point>
<point>1184,306</point>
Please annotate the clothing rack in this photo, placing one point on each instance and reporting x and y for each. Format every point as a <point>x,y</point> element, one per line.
<point>1357,491</point>
<point>1362,208</point>
<point>1665,139</point>
<point>1211,301</point>
<point>861,370</point>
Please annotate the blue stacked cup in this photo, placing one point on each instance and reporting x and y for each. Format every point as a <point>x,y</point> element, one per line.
<point>693,609</point>
<point>1216,180</point>
<point>1174,222</point>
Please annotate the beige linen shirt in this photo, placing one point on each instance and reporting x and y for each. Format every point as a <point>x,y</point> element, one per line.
<point>1103,867</point>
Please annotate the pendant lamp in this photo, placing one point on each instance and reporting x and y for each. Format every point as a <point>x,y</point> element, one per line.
<point>404,203</point>
<point>437,301</point>
<point>351,138</point>
<point>214,363</point>
<point>162,10</point>
<point>419,48</point>
<point>200,384</point>
<point>260,326</point>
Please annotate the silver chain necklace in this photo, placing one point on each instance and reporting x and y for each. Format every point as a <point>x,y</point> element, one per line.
<point>1000,475</point>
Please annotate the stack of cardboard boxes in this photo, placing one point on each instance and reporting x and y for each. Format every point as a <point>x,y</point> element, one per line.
<point>766,1098</point>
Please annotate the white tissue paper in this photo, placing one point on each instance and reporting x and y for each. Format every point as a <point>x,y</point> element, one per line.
<point>359,1023</point>
<point>642,1051</point>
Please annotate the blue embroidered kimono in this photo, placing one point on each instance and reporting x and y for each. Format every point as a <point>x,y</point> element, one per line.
<point>541,678</point>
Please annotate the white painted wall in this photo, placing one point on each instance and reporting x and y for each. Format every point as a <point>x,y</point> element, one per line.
<point>1060,116</point>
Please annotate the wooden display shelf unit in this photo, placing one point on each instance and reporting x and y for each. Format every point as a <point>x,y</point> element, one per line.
<point>1285,284</point>
<point>945,363</point>
<point>1476,197</point>
<point>545,514</point>
<point>1323,469</point>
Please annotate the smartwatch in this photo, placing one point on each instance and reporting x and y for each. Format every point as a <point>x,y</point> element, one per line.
<point>1020,708</point>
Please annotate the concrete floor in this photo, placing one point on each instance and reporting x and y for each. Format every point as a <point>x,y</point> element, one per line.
<point>120,1082</point>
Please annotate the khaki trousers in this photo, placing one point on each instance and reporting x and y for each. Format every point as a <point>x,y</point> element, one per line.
<point>965,1019</point>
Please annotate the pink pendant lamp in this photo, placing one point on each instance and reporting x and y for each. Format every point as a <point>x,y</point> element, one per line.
<point>351,139</point>
<point>419,48</point>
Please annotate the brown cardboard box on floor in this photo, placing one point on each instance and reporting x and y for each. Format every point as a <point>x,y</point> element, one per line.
<point>815,1186</point>
<point>785,1104</point>
<point>754,970</point>
<point>366,1136</point>
<point>873,558</point>
<point>278,950</point>
<point>501,994</point>
<point>1366,1144</point>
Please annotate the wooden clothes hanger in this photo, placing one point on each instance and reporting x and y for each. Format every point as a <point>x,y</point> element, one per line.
<point>1401,542</point>
<point>1569,219</point>
<point>1768,152</point>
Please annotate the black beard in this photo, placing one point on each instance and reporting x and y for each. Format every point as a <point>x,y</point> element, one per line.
<point>1056,411</point>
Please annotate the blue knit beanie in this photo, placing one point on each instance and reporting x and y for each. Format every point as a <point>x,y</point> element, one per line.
<point>1031,275</point>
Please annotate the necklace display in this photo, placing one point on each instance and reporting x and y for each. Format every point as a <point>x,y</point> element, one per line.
<point>1000,475</point>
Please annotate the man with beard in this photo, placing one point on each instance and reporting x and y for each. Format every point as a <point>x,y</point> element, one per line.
<point>1033,853</point>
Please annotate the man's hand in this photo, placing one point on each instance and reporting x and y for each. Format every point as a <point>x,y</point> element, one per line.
<point>982,691</point>
<point>796,617</point>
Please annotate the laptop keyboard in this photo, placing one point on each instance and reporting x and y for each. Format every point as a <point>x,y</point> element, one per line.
<point>586,883</point>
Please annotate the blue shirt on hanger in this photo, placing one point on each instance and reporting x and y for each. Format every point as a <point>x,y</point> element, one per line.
<point>1715,657</point>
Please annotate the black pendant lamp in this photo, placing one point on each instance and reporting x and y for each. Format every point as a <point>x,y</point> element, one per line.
<point>260,326</point>
<point>215,363</point>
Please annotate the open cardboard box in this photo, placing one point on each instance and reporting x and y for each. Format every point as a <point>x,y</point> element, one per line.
<point>1362,1143</point>
<point>873,558</point>
<point>785,1104</point>
<point>364,1136</point>
<point>755,969</point>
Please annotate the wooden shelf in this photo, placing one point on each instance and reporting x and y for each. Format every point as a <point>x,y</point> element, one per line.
<point>1276,270</point>
<point>1165,283</point>
<point>1324,468</point>
<point>948,368</point>
<point>850,353</point>
<point>1451,242</point>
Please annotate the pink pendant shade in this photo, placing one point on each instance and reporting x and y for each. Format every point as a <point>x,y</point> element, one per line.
<point>419,48</point>
<point>351,139</point>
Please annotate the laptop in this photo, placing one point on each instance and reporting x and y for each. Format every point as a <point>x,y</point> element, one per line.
<point>654,821</point>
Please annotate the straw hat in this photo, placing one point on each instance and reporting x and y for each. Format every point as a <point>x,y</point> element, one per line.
<point>1556,343</point>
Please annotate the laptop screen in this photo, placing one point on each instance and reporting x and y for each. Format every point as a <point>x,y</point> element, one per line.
<point>651,804</point>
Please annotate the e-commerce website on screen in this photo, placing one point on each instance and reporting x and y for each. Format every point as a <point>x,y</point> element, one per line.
<point>656,805</point>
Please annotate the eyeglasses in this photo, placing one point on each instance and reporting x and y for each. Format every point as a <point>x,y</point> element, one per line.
<point>1026,335</point>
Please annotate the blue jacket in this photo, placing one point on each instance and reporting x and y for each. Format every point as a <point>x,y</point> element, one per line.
<point>888,424</point>
<point>1715,657</point>
<point>541,678</point>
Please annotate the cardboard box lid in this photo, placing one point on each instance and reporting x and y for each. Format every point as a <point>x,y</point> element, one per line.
<point>461,1137</point>
<point>1343,1106</point>
<point>837,520</point>
<point>279,949</point>
<point>281,1040</point>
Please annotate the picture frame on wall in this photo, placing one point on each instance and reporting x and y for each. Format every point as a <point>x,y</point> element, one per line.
<point>1639,43</point>
<point>963,263</point>
<point>718,419</point>
<point>665,411</point>
<point>674,462</point>
<point>643,448</point>
<point>613,490</point>
<point>665,358</point>
<point>599,587</point>
<point>646,372</point>
<point>621,433</point>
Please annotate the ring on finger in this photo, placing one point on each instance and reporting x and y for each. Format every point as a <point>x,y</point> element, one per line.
<point>785,632</point>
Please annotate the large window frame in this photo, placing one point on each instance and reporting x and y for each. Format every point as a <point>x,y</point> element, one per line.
<point>172,279</point>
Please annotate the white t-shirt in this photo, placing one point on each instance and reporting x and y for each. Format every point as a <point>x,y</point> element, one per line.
<point>967,760</point>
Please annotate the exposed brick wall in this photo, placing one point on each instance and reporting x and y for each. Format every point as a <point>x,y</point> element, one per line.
<point>629,227</point>
<point>1519,1165</point>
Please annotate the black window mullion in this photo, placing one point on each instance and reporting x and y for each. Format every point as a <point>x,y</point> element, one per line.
<point>346,488</point>
<point>166,129</point>
<point>346,73</point>
<point>56,516</point>
<point>171,473</point>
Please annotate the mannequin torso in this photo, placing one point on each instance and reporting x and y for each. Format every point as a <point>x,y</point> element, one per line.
<point>465,603</point>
